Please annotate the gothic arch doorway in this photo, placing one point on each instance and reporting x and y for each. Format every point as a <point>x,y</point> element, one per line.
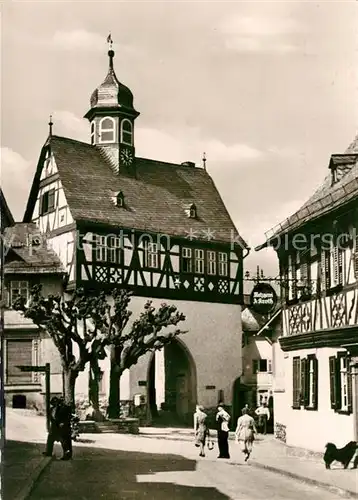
<point>172,390</point>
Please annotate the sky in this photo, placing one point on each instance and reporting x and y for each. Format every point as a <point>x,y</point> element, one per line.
<point>269,90</point>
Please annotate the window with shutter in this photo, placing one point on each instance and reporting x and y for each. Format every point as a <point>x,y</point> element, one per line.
<point>304,392</point>
<point>333,264</point>
<point>314,401</point>
<point>356,254</point>
<point>349,387</point>
<point>311,400</point>
<point>333,381</point>
<point>340,383</point>
<point>18,352</point>
<point>296,383</point>
<point>340,266</point>
<point>327,281</point>
<point>322,271</point>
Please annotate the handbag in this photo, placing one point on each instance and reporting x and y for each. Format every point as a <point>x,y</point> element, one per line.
<point>210,444</point>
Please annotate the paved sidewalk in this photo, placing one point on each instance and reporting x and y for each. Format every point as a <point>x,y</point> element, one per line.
<point>22,466</point>
<point>270,454</point>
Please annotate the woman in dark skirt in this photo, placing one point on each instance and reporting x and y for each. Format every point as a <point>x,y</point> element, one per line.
<point>223,419</point>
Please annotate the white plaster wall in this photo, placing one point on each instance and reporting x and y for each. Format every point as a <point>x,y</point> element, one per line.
<point>312,429</point>
<point>214,341</point>
<point>278,367</point>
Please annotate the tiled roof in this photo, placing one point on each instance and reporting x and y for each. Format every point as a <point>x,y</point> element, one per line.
<point>154,198</point>
<point>6,218</point>
<point>327,197</point>
<point>26,251</point>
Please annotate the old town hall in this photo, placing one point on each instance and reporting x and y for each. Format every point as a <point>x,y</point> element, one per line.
<point>159,229</point>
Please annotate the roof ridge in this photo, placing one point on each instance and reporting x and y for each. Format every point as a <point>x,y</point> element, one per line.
<point>162,162</point>
<point>69,139</point>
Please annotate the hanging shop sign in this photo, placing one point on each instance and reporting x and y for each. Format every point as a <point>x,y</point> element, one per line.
<point>263,298</point>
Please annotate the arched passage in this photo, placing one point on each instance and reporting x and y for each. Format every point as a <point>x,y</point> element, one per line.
<point>172,387</point>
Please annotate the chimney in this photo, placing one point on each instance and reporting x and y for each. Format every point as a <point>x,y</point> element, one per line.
<point>188,164</point>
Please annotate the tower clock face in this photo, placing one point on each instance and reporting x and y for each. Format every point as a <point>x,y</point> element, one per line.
<point>126,157</point>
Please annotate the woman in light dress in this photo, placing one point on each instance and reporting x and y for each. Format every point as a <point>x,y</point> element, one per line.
<point>201,429</point>
<point>245,433</point>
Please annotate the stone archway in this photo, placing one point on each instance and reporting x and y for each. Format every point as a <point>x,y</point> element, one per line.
<point>171,387</point>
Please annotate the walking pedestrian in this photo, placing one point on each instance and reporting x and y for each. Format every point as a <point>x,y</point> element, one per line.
<point>60,428</point>
<point>223,419</point>
<point>245,433</point>
<point>264,416</point>
<point>201,429</point>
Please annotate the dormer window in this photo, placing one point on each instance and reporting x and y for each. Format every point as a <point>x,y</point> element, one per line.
<point>127,132</point>
<point>191,211</point>
<point>93,132</point>
<point>119,199</point>
<point>107,128</point>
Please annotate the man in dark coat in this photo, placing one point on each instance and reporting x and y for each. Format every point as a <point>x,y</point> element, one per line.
<point>60,428</point>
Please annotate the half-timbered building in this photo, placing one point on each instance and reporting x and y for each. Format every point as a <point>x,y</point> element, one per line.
<point>159,229</point>
<point>316,397</point>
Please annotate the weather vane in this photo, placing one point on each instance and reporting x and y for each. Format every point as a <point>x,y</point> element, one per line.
<point>110,41</point>
<point>204,160</point>
<point>50,123</point>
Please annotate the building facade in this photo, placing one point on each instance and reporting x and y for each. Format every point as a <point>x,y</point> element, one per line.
<point>158,229</point>
<point>26,263</point>
<point>316,385</point>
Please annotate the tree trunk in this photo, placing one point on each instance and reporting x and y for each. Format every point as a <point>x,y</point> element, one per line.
<point>93,394</point>
<point>114,384</point>
<point>69,383</point>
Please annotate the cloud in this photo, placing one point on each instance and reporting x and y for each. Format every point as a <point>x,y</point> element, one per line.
<point>16,178</point>
<point>153,143</point>
<point>254,34</point>
<point>86,41</point>
<point>68,124</point>
<point>189,146</point>
<point>78,39</point>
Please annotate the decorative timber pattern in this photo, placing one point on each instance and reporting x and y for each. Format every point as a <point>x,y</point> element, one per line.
<point>336,311</point>
<point>157,269</point>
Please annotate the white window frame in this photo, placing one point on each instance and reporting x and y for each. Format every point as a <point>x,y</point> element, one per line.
<point>113,249</point>
<point>333,266</point>
<point>310,373</point>
<point>112,130</point>
<point>290,277</point>
<point>126,132</point>
<point>211,256</point>
<point>187,257</point>
<point>199,261</point>
<point>101,248</point>
<point>93,132</point>
<point>223,264</point>
<point>151,255</point>
<point>343,374</point>
<point>22,287</point>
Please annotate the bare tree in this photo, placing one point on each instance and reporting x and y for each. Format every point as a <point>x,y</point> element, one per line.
<point>84,325</point>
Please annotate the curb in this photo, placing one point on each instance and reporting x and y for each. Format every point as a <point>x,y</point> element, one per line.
<point>31,481</point>
<point>314,482</point>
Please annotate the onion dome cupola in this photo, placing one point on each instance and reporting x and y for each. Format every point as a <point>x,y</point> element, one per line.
<point>112,117</point>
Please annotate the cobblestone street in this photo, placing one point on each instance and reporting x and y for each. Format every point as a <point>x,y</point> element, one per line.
<point>163,463</point>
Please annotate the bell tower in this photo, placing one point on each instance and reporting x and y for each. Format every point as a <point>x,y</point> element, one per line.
<point>112,116</point>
